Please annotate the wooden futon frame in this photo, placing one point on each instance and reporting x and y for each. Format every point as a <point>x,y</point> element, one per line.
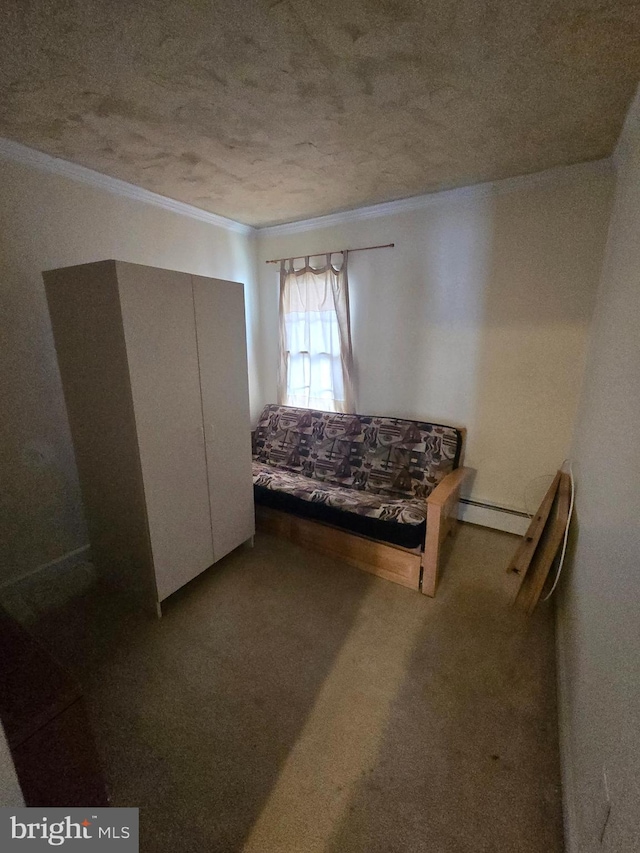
<point>412,567</point>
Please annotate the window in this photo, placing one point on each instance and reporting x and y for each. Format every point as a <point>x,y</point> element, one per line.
<point>315,337</point>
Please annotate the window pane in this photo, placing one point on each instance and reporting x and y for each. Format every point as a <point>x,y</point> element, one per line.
<point>314,366</point>
<point>298,374</point>
<point>314,332</point>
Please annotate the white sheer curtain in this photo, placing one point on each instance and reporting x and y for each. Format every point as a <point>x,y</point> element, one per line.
<point>316,362</point>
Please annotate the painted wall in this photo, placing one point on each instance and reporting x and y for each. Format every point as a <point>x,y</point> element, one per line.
<point>598,611</point>
<point>49,221</point>
<point>478,317</point>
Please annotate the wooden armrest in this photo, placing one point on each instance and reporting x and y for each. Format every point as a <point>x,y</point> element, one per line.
<point>445,489</point>
<point>441,520</point>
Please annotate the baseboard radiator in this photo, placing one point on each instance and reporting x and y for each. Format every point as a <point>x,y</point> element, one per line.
<point>493,515</point>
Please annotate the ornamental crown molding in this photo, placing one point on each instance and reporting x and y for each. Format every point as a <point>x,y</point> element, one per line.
<point>556,176</point>
<point>18,153</point>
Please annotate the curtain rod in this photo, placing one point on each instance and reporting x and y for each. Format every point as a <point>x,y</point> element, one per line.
<point>337,252</point>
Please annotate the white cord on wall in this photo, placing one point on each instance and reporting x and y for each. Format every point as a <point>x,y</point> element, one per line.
<point>566,532</point>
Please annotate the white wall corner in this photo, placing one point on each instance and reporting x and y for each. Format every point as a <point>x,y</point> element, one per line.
<point>18,153</point>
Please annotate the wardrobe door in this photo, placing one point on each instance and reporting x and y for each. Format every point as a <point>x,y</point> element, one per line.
<point>222,351</point>
<point>160,337</point>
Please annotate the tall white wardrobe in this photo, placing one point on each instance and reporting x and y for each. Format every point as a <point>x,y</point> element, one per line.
<point>154,370</point>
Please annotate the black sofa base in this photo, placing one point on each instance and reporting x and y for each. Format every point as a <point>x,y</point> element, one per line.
<point>405,535</point>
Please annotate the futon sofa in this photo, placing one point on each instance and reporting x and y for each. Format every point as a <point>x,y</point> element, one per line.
<point>379,492</point>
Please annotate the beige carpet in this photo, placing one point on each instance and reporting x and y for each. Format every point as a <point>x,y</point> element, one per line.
<point>288,703</point>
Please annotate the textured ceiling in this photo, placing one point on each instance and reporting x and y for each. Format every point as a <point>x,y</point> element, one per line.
<point>274,110</point>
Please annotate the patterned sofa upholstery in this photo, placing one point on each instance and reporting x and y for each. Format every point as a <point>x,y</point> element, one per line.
<point>369,475</point>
